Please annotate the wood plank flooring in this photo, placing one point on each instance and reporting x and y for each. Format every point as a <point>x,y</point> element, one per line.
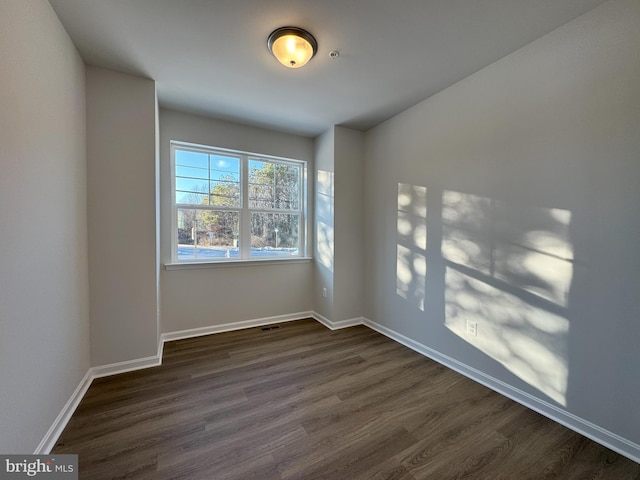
<point>303,402</point>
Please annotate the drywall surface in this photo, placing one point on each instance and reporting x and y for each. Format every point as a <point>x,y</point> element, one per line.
<point>195,298</point>
<point>121,157</point>
<point>338,281</point>
<point>511,199</point>
<point>324,251</point>
<point>44,292</point>
<point>349,223</point>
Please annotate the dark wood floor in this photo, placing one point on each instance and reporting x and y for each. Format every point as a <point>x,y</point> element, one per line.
<point>303,402</point>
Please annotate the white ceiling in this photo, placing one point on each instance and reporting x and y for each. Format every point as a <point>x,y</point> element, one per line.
<point>210,56</point>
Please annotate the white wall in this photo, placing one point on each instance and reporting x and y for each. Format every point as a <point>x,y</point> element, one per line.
<point>44,295</point>
<point>339,224</point>
<point>157,232</point>
<point>195,298</point>
<point>526,179</point>
<point>324,248</point>
<point>121,157</point>
<point>349,224</point>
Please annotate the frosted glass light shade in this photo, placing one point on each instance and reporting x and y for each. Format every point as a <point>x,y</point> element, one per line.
<point>292,46</point>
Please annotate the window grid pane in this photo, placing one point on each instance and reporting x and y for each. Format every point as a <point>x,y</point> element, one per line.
<point>209,211</point>
<point>207,234</point>
<point>274,234</point>
<point>274,185</point>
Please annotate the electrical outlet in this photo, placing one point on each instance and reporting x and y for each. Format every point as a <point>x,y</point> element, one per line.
<point>472,328</point>
<point>324,292</point>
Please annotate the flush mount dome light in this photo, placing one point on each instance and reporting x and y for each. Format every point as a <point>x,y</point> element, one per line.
<point>292,46</point>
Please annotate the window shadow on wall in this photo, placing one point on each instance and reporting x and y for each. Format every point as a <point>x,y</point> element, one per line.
<point>411,256</point>
<point>507,268</point>
<point>324,219</point>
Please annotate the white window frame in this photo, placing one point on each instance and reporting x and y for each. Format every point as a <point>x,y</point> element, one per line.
<point>243,210</point>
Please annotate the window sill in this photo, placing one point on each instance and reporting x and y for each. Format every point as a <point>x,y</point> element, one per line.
<point>235,263</point>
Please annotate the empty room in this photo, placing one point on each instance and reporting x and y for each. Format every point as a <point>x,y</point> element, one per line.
<point>320,240</point>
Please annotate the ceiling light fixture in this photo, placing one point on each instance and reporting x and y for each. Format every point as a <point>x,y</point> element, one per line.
<point>292,46</point>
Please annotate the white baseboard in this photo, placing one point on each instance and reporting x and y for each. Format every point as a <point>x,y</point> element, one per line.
<point>59,424</point>
<point>598,434</point>
<point>350,322</point>
<point>54,432</point>
<point>228,327</point>
<point>126,366</point>
<point>61,421</point>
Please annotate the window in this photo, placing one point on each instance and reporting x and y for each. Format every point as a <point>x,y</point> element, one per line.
<point>230,205</point>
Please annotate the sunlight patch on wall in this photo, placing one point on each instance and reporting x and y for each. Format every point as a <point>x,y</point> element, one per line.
<point>528,247</point>
<point>325,245</point>
<point>466,225</point>
<point>324,219</point>
<point>411,260</point>
<point>533,250</point>
<point>509,270</point>
<point>527,340</point>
